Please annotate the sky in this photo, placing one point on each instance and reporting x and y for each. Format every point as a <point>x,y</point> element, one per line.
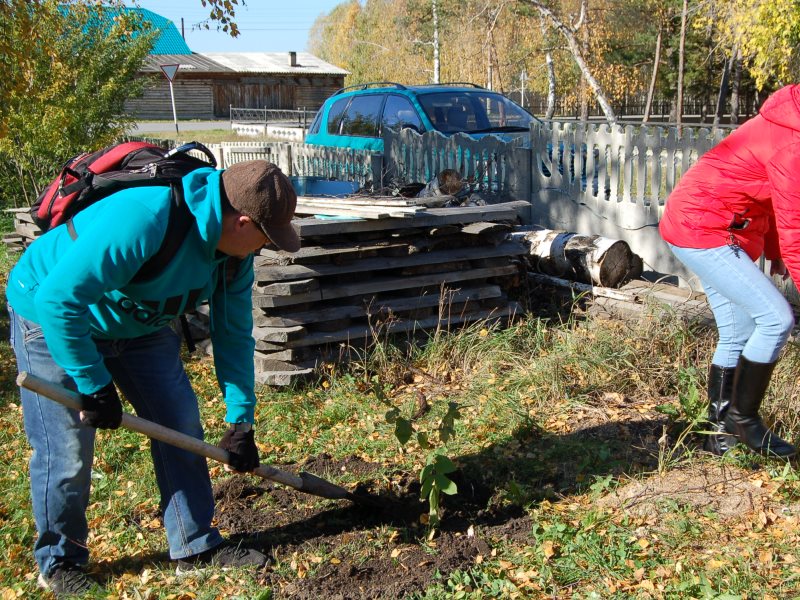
<point>264,25</point>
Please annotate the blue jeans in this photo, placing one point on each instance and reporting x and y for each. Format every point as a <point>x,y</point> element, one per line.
<point>149,372</point>
<point>753,318</point>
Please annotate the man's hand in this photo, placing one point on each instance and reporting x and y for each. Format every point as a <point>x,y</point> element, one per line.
<point>102,409</point>
<point>240,443</point>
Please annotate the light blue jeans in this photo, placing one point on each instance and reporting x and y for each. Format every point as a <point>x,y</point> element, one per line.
<point>149,372</point>
<point>753,318</point>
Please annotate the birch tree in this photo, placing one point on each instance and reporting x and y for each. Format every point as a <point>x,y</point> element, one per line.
<point>568,31</point>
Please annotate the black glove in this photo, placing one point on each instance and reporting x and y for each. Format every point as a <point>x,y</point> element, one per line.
<point>102,409</point>
<point>241,447</point>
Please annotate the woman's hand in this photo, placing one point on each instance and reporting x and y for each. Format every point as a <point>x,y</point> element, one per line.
<point>777,267</point>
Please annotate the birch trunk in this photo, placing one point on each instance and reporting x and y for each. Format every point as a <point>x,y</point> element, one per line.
<point>435,41</point>
<point>551,77</point>
<point>723,89</point>
<point>590,259</point>
<point>575,48</point>
<point>651,90</point>
<point>681,58</point>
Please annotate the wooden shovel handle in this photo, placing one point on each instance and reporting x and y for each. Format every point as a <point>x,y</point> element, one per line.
<point>155,431</point>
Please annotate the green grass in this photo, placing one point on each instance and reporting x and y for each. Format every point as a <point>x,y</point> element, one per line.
<point>546,406</point>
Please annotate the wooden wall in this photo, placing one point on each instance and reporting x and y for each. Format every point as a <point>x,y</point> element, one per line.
<point>193,99</point>
<point>211,96</point>
<point>317,90</point>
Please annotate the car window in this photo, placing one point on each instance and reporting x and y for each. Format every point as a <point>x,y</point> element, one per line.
<point>363,115</point>
<point>452,112</point>
<point>315,124</point>
<point>335,115</point>
<point>399,112</point>
<point>500,112</point>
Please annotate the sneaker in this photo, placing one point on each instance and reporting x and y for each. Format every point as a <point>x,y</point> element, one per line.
<point>227,557</point>
<point>66,581</point>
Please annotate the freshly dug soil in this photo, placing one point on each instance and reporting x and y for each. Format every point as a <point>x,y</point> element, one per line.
<point>290,525</point>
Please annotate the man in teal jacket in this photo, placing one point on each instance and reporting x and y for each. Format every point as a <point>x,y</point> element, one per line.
<point>77,319</point>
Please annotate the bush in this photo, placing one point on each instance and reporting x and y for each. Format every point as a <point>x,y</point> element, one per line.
<point>68,70</point>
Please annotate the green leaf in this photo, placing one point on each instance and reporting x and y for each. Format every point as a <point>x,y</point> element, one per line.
<point>445,484</point>
<point>447,424</point>
<point>442,464</point>
<point>403,430</point>
<point>422,440</point>
<point>425,490</point>
<point>391,415</point>
<point>667,409</point>
<point>426,473</point>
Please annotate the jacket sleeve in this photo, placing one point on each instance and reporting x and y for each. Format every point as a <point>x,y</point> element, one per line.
<point>783,171</point>
<point>104,257</point>
<point>233,343</point>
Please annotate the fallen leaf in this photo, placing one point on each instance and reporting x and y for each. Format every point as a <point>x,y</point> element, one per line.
<point>548,549</point>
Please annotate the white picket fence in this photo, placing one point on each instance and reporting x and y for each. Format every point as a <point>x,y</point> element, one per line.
<point>295,158</point>
<point>614,180</point>
<point>489,164</point>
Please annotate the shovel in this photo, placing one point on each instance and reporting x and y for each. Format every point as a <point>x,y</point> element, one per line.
<point>304,482</point>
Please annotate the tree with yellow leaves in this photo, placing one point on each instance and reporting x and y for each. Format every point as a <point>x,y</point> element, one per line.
<point>67,71</point>
<point>765,32</point>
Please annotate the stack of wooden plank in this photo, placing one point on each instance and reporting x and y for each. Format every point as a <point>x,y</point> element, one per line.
<point>25,230</point>
<point>364,207</point>
<point>356,280</point>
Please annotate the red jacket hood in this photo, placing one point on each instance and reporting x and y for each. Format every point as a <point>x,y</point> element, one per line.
<point>783,107</point>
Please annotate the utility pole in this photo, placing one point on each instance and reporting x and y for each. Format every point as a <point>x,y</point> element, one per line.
<point>522,77</point>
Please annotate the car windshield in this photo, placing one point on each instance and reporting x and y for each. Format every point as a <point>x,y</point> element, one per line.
<point>474,112</point>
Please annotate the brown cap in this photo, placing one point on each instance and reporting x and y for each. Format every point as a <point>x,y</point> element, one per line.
<point>258,189</point>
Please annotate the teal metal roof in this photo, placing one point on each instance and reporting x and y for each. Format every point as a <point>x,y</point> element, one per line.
<point>169,39</point>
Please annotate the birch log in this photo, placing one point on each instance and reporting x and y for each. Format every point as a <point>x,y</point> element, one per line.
<point>590,259</point>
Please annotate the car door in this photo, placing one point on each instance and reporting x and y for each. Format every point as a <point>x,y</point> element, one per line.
<point>361,122</point>
<point>399,112</point>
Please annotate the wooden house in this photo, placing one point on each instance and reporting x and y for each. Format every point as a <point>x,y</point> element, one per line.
<point>208,84</point>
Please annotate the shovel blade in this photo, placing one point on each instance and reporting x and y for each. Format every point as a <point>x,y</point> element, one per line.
<point>319,487</point>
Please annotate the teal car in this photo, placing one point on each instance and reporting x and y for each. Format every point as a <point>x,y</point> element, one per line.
<point>356,116</point>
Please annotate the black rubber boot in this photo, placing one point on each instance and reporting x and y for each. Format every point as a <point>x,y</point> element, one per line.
<point>720,391</point>
<point>749,386</point>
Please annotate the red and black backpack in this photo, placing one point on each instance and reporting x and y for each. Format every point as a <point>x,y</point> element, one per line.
<point>92,176</point>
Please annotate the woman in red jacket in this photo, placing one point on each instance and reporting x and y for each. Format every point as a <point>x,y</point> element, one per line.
<point>742,199</point>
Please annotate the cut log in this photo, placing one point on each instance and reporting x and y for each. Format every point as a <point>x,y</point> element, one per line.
<point>590,259</point>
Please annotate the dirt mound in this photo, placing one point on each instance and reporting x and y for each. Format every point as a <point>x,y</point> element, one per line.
<point>728,491</point>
